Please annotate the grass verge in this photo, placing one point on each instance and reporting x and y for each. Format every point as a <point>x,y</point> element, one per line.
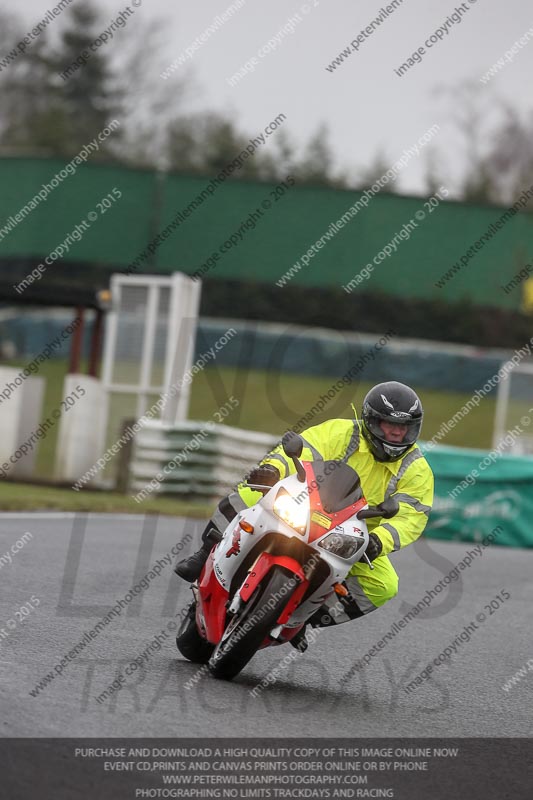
<point>28,497</point>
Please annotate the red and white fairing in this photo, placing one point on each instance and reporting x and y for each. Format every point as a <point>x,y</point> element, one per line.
<point>234,548</point>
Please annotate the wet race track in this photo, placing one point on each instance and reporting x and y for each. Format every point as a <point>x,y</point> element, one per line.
<point>60,582</point>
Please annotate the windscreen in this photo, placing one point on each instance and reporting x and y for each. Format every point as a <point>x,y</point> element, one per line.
<point>337,483</point>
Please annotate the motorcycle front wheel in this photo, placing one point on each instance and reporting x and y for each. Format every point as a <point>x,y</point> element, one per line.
<point>189,642</point>
<point>247,630</point>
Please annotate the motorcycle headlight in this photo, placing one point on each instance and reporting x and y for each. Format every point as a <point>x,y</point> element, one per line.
<point>293,513</point>
<point>341,544</point>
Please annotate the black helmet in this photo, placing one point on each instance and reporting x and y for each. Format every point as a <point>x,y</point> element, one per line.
<point>392,402</point>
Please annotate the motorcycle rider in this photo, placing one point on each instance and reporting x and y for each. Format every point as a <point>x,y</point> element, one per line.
<point>383,451</point>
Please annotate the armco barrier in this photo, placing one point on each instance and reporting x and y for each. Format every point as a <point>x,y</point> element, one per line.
<point>298,350</point>
<point>211,458</point>
<point>294,349</point>
<point>214,458</point>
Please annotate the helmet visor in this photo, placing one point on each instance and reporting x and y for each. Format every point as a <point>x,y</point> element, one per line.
<point>411,427</point>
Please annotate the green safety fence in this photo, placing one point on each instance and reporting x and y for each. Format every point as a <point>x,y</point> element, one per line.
<point>247,230</point>
<point>477,491</point>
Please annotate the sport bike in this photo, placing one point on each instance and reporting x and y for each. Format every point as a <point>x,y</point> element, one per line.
<point>277,562</point>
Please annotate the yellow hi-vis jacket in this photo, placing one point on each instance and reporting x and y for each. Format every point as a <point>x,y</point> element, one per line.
<point>409,479</point>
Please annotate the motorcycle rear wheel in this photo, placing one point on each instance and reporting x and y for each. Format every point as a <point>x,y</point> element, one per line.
<point>238,644</point>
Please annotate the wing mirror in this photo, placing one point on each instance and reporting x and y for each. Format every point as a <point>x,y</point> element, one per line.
<point>293,445</point>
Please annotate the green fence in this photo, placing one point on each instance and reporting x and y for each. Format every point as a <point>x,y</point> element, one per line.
<point>469,506</point>
<point>271,231</point>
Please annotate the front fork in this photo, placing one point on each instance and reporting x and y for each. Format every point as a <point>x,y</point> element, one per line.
<point>200,622</point>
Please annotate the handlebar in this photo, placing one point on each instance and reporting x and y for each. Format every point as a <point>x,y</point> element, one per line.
<point>387,509</point>
<point>368,513</point>
<point>258,487</point>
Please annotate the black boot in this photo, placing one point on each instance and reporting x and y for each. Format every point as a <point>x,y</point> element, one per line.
<point>299,642</point>
<point>190,568</point>
<point>321,618</point>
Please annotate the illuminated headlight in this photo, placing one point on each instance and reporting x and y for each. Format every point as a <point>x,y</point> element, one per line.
<point>341,544</point>
<point>293,513</point>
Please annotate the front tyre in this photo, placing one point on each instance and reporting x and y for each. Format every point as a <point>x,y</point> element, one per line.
<point>189,642</point>
<point>246,632</point>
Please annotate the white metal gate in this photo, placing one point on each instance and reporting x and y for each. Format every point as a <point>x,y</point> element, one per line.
<point>514,415</point>
<point>149,346</point>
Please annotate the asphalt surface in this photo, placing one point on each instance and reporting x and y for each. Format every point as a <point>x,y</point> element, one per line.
<point>78,567</point>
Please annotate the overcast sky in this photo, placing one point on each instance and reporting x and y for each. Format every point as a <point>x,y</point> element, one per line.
<point>365,104</point>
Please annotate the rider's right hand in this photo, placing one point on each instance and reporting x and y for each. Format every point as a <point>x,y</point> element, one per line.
<point>264,475</point>
<point>375,546</point>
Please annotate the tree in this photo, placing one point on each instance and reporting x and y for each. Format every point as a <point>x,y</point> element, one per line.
<point>29,100</point>
<point>46,113</point>
<point>510,156</point>
<point>148,103</point>
<point>56,99</point>
<point>281,160</point>
<point>205,143</point>
<point>316,166</point>
<point>435,173</point>
<point>374,171</point>
<point>89,95</point>
<point>493,142</point>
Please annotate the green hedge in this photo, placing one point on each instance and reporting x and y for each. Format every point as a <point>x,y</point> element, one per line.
<point>373,313</point>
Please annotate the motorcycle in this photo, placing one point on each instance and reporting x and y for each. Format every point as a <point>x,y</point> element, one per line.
<point>277,563</point>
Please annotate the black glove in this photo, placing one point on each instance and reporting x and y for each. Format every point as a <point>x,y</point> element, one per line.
<point>265,475</point>
<point>374,548</point>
